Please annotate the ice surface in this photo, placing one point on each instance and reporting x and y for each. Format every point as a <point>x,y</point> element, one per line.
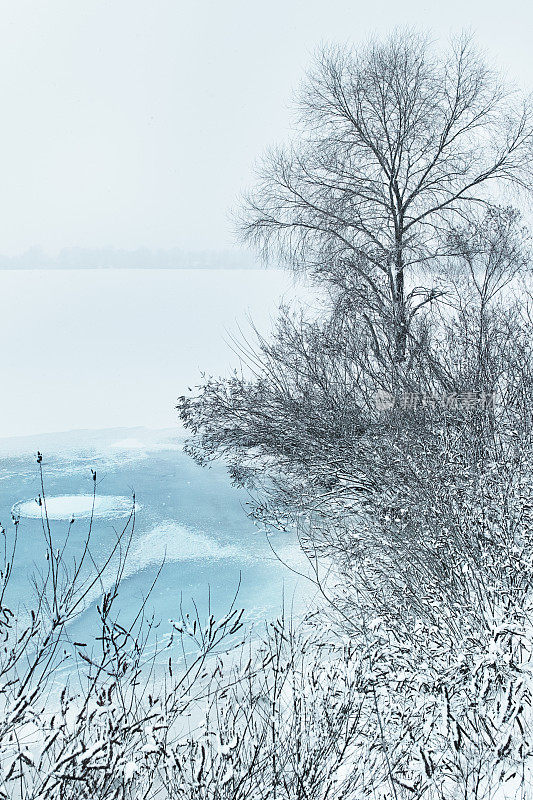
<point>170,541</point>
<point>190,522</point>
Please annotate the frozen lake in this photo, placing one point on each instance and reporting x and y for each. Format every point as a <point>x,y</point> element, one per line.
<point>114,348</point>
<point>188,519</point>
<point>101,355</point>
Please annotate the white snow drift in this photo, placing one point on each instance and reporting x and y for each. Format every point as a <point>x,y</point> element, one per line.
<point>79,506</point>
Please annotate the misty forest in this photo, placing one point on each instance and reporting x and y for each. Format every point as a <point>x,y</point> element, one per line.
<point>324,591</point>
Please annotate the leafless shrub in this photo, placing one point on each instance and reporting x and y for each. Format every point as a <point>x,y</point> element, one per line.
<point>416,516</point>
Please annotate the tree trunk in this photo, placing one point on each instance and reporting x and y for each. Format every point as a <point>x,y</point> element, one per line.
<point>399,310</point>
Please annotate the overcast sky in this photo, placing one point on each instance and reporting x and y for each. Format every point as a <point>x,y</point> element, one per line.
<point>135,123</point>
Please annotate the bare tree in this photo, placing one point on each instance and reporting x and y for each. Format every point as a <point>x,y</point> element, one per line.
<point>397,145</point>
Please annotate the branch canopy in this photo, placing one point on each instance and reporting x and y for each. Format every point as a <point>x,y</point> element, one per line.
<point>397,144</point>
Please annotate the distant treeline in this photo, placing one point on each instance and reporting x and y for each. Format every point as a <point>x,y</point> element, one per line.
<point>142,258</point>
